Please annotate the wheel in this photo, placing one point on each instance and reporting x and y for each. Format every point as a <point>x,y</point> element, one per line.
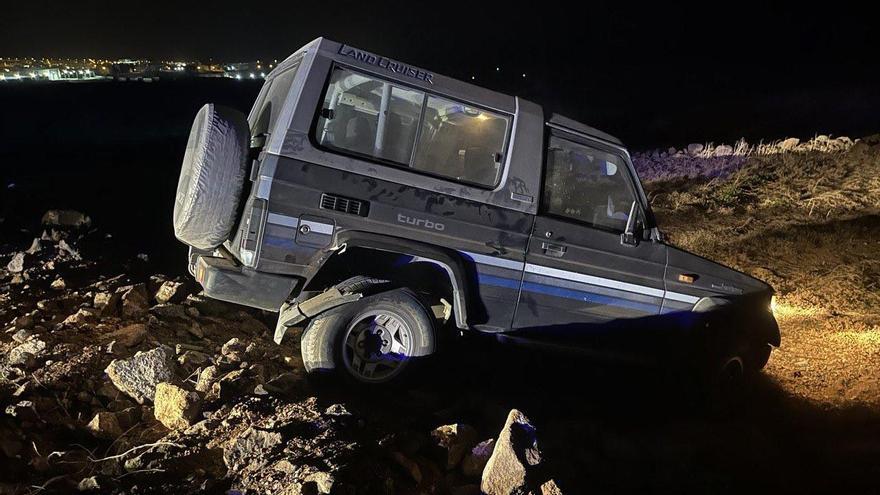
<point>378,340</point>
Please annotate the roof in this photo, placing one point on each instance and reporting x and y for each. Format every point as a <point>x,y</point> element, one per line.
<point>573,125</point>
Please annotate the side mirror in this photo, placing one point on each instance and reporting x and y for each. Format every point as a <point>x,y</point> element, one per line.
<point>628,237</point>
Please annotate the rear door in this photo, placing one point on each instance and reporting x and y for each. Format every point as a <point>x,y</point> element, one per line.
<point>579,273</point>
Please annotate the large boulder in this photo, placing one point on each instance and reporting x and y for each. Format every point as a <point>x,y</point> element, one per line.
<point>175,407</point>
<point>510,469</point>
<point>139,375</point>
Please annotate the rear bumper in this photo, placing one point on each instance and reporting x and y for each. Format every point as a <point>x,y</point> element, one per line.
<point>227,281</point>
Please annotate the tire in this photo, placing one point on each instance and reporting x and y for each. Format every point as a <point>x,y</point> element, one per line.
<point>381,339</point>
<point>211,177</point>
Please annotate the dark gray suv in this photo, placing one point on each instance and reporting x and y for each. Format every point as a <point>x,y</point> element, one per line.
<point>381,205</point>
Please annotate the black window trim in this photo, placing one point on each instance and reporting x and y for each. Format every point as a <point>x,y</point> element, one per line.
<point>585,141</point>
<point>408,167</point>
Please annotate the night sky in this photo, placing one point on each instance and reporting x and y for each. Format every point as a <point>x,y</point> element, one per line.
<point>654,75</point>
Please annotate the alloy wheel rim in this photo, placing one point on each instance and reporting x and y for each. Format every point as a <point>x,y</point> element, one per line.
<point>377,346</point>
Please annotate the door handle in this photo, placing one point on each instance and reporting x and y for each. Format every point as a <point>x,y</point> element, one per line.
<point>554,250</point>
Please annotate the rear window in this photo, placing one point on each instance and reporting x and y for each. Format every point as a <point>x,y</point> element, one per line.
<point>407,127</point>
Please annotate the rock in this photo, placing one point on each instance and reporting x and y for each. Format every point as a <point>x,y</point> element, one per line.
<point>516,453</point>
<point>323,482</point>
<point>233,350</point>
<point>410,466</point>
<point>64,248</point>
<point>58,284</point>
<point>83,315</point>
<point>207,378</point>
<point>24,321</point>
<point>135,302</point>
<point>21,336</point>
<point>18,263</point>
<point>193,358</point>
<point>166,310</point>
<point>171,291</point>
<point>175,407</point>
<point>455,440</point>
<point>66,218</point>
<point>127,416</point>
<point>130,335</point>
<point>107,303</point>
<point>248,445</point>
<point>105,425</point>
<point>550,488</point>
<point>24,354</point>
<point>139,375</point>
<point>284,466</point>
<point>88,484</point>
<point>229,385</point>
<point>36,246</point>
<point>694,148</point>
<point>473,463</point>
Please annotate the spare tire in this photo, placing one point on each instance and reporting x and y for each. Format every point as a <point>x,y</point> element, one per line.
<point>211,177</point>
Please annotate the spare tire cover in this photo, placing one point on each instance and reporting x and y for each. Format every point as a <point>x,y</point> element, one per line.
<point>211,177</point>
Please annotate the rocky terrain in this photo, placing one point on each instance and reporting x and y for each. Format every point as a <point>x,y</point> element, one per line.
<point>133,383</point>
<point>117,379</point>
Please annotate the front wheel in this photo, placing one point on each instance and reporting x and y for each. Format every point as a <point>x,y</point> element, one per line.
<point>377,340</point>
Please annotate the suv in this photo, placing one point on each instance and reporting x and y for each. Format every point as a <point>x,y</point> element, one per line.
<point>384,205</point>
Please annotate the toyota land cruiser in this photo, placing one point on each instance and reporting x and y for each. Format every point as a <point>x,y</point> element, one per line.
<point>380,204</point>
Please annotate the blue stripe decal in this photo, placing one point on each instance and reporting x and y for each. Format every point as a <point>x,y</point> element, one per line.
<point>589,297</point>
<point>582,296</point>
<point>277,241</point>
<point>498,281</point>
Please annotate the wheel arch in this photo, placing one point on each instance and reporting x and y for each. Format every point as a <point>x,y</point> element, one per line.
<point>449,261</point>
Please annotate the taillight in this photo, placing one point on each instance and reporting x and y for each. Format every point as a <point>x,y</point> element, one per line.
<point>250,238</point>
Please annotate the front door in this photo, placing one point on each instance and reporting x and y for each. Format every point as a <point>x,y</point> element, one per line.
<point>579,272</point>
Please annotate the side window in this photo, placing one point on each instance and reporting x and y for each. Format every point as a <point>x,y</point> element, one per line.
<point>276,94</point>
<point>461,142</point>
<point>369,116</point>
<point>587,184</point>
